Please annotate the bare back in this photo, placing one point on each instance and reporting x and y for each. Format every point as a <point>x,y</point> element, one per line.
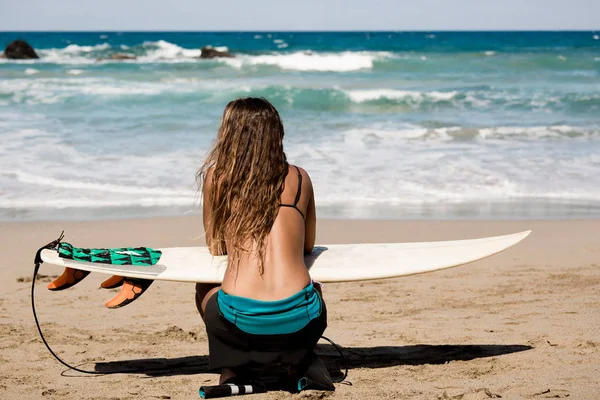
<point>292,234</point>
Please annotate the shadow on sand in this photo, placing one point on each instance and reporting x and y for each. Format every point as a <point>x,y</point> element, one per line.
<point>356,357</point>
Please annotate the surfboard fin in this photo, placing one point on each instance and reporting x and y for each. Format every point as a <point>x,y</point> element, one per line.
<point>70,277</point>
<point>113,282</point>
<point>132,289</point>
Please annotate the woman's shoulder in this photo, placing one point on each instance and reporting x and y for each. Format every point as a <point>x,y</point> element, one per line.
<point>294,170</point>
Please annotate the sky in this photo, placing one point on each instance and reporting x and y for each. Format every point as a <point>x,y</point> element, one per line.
<point>291,15</point>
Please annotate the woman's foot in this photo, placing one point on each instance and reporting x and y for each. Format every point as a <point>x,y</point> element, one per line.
<point>227,376</point>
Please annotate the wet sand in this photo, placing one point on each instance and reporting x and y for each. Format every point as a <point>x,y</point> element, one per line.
<point>521,324</point>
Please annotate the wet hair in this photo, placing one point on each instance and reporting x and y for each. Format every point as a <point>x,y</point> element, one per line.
<point>246,168</point>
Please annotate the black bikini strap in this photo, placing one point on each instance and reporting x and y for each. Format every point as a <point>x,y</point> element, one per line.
<point>295,205</point>
<point>299,187</point>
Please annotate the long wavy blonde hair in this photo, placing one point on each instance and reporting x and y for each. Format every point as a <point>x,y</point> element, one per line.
<point>247,171</point>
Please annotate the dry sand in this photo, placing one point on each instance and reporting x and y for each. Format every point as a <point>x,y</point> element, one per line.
<point>522,324</point>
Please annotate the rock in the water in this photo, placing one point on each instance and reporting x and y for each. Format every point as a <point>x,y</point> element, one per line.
<point>20,50</point>
<point>118,57</point>
<point>2,55</point>
<point>211,52</point>
<point>122,56</point>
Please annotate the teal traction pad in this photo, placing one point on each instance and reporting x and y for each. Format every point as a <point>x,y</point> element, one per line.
<point>115,256</point>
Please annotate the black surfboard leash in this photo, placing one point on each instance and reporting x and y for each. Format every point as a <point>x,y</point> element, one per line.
<point>339,350</point>
<point>37,262</point>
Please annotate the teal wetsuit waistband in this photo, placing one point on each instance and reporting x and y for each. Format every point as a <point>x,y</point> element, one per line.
<point>271,317</point>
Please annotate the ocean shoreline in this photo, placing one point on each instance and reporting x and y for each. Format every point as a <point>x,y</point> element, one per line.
<point>510,210</point>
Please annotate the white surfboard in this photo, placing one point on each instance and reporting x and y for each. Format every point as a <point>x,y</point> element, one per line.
<point>335,263</point>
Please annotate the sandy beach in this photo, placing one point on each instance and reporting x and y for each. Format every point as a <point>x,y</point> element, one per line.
<point>521,324</point>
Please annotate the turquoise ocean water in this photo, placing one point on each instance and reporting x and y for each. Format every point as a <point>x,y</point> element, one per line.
<point>388,124</point>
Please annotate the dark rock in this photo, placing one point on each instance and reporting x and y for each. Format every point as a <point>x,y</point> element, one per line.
<point>211,52</point>
<point>118,57</point>
<point>122,56</point>
<point>2,55</point>
<point>20,50</point>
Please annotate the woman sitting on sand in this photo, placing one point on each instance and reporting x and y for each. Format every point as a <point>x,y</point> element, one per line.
<point>260,211</point>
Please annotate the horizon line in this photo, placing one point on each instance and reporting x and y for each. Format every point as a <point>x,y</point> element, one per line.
<point>304,31</point>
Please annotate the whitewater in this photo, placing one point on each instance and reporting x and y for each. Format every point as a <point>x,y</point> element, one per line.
<point>388,124</point>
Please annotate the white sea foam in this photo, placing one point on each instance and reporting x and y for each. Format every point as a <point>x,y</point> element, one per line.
<point>159,51</point>
<point>398,165</point>
<point>45,90</point>
<point>537,132</point>
<point>54,174</point>
<point>63,56</point>
<point>30,92</point>
<point>449,165</point>
<point>42,181</point>
<point>489,53</point>
<point>360,96</point>
<point>105,90</point>
<point>94,202</point>
<point>93,152</point>
<point>163,50</point>
<point>55,90</point>
<point>379,134</point>
<point>73,48</point>
<point>31,71</point>
<point>308,61</point>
